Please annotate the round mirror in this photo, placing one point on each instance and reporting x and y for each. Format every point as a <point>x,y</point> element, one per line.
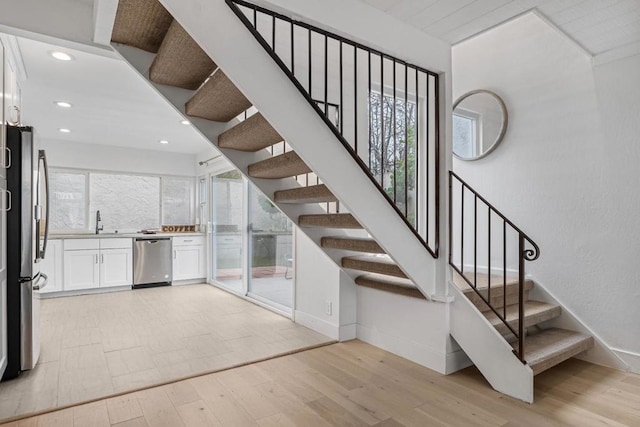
<point>479,124</point>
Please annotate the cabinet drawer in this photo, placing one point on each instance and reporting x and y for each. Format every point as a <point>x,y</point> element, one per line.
<point>189,241</point>
<point>116,243</point>
<point>81,244</point>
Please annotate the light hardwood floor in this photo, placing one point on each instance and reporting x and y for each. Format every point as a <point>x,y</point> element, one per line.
<point>355,384</point>
<point>98,345</point>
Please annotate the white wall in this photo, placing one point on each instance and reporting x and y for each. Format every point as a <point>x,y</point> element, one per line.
<point>62,154</point>
<point>567,169</point>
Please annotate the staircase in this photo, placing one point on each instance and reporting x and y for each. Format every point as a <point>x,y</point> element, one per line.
<point>366,233</point>
<point>250,141</point>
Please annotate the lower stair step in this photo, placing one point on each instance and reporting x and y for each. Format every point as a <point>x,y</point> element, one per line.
<point>329,221</point>
<point>282,166</point>
<point>311,194</point>
<point>497,290</point>
<point>352,244</point>
<point>385,283</point>
<point>180,61</point>
<point>253,134</point>
<point>374,264</point>
<point>218,99</point>
<point>534,313</point>
<point>552,346</point>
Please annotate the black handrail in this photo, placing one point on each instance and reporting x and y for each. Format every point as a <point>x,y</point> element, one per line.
<point>524,254</point>
<point>398,136</point>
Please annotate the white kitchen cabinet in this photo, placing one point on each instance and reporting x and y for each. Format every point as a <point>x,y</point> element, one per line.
<point>189,258</point>
<point>81,269</point>
<point>52,265</point>
<point>116,267</point>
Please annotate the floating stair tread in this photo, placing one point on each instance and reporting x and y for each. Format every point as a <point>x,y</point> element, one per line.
<point>553,346</point>
<point>389,284</point>
<point>482,280</point>
<point>534,312</point>
<point>343,220</point>
<point>180,61</point>
<point>282,166</point>
<point>218,99</point>
<point>253,134</point>
<point>381,264</point>
<point>311,194</point>
<point>141,23</point>
<point>352,244</point>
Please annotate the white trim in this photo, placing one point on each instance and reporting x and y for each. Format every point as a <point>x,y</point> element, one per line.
<point>620,52</point>
<point>104,17</point>
<point>348,332</point>
<point>249,299</point>
<point>15,56</point>
<point>632,359</point>
<point>85,292</point>
<point>316,324</point>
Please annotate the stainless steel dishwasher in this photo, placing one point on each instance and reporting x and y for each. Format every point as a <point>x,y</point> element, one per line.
<point>152,262</point>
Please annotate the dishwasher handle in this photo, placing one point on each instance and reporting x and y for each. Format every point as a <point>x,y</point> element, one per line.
<point>152,241</point>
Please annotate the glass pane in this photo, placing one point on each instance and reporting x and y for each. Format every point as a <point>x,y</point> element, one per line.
<point>271,252</point>
<point>177,201</point>
<point>226,196</point>
<point>68,198</point>
<point>464,136</point>
<point>125,202</point>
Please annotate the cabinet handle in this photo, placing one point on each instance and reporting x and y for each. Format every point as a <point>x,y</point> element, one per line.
<point>101,258</point>
<point>7,162</point>
<point>174,254</point>
<point>96,256</point>
<point>190,240</point>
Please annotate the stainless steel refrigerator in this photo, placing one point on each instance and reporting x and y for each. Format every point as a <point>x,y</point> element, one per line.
<point>27,235</point>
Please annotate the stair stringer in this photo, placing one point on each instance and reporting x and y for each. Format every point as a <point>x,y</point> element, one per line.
<point>487,349</point>
<point>176,97</point>
<point>228,42</point>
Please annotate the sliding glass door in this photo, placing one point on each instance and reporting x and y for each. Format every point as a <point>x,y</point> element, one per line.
<point>227,212</point>
<point>270,253</point>
<point>251,243</point>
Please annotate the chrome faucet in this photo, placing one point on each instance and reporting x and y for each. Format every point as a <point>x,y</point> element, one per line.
<point>99,227</point>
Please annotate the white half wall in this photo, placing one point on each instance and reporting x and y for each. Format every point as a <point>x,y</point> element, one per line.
<point>567,170</point>
<point>63,154</point>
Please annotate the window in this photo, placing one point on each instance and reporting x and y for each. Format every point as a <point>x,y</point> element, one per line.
<point>177,201</point>
<point>68,201</point>
<point>126,202</point>
<point>392,156</point>
<point>466,143</point>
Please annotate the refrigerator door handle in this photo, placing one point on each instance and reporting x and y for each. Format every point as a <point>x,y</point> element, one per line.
<point>45,282</point>
<point>9,202</point>
<point>7,163</point>
<point>42,156</point>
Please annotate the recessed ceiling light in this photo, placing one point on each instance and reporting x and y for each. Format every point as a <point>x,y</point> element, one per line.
<point>163,141</point>
<point>61,56</point>
<point>64,130</point>
<point>63,104</point>
<point>185,122</point>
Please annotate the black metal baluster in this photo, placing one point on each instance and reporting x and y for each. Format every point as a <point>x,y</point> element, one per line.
<point>504,268</point>
<point>426,150</point>
<point>450,218</point>
<point>326,74</point>
<point>255,17</point>
<point>406,140</point>
<point>370,113</point>
<point>489,253</point>
<point>310,65</point>
<point>475,240</point>
<point>341,95</point>
<point>462,230</point>
<point>521,297</point>
<point>416,158</point>
<point>395,133</point>
<point>273,34</point>
<point>355,98</point>
<point>382,150</point>
<point>293,62</point>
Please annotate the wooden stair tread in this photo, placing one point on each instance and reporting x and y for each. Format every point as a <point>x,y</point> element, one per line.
<point>373,263</point>
<point>389,284</point>
<point>141,23</point>
<point>534,312</point>
<point>352,244</point>
<point>180,61</point>
<point>343,220</point>
<point>253,134</point>
<point>218,99</point>
<point>482,280</point>
<point>282,166</point>
<point>311,194</point>
<point>553,346</point>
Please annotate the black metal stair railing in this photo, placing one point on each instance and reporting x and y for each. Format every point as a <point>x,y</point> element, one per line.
<point>383,110</point>
<point>492,237</point>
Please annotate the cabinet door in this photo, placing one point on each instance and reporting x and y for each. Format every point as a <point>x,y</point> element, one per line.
<point>81,269</point>
<point>51,265</point>
<point>116,267</point>
<point>189,263</point>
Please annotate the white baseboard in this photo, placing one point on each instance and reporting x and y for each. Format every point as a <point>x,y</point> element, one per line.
<point>418,353</point>
<point>316,324</point>
<point>457,361</point>
<point>76,292</point>
<point>348,332</point>
<point>632,359</point>
<point>189,282</point>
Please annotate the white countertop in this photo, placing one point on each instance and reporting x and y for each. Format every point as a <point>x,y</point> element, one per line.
<point>119,235</point>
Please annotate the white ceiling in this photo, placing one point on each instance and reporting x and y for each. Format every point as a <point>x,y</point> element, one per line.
<point>112,104</point>
<point>601,27</point>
